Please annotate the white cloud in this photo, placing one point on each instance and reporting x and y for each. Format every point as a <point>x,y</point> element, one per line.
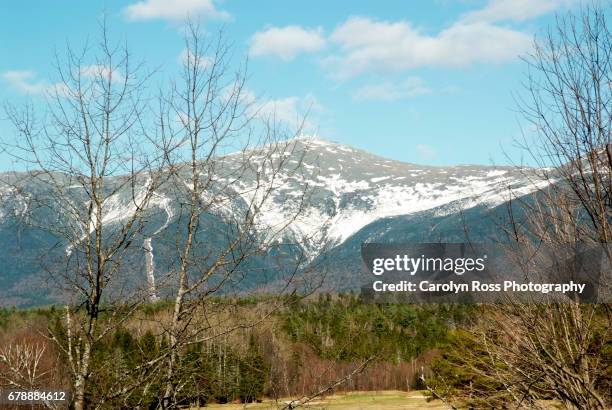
<point>286,42</point>
<point>514,10</point>
<point>97,71</point>
<point>174,10</point>
<point>388,91</point>
<point>25,82</point>
<point>283,110</point>
<point>203,61</point>
<point>293,111</point>
<point>425,151</point>
<point>371,45</point>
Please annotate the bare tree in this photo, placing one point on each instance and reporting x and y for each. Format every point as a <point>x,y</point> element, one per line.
<point>525,352</point>
<point>23,364</point>
<point>210,113</point>
<point>103,164</point>
<point>92,170</point>
<point>569,107</point>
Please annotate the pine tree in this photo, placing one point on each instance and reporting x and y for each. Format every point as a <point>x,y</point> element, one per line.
<point>253,373</point>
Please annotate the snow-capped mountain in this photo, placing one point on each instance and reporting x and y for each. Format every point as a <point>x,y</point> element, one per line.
<point>326,197</point>
<point>352,188</point>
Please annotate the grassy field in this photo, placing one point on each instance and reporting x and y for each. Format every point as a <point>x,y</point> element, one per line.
<point>383,400</point>
<point>387,400</point>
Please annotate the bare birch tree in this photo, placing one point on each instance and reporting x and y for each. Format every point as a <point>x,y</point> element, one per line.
<point>102,165</point>
<point>211,113</point>
<point>92,169</point>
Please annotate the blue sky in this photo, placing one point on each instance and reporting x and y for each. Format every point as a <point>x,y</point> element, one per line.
<point>429,82</point>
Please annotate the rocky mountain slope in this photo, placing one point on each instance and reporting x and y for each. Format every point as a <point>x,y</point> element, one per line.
<point>344,197</point>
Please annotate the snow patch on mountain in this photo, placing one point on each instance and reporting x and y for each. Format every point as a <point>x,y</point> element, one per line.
<point>366,188</point>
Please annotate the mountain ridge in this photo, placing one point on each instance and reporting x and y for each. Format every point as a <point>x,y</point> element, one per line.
<point>353,196</point>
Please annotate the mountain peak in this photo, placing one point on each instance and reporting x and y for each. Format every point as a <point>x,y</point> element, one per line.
<point>315,139</point>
